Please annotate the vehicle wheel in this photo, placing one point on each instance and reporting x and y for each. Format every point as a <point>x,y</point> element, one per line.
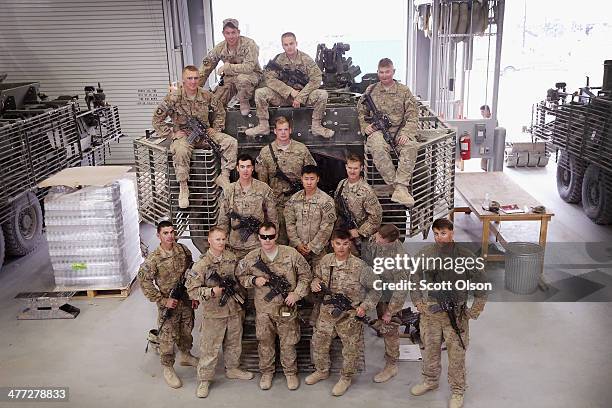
<point>1,248</point>
<point>570,172</point>
<point>22,232</point>
<point>597,195</point>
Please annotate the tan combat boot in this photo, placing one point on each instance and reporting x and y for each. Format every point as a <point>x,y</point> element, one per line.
<point>265,383</point>
<point>202,391</point>
<point>293,381</point>
<point>422,388</point>
<point>402,196</point>
<point>386,374</point>
<point>318,130</point>
<point>316,377</point>
<point>341,386</point>
<point>223,180</point>
<point>171,378</point>
<point>456,401</point>
<point>183,200</point>
<point>187,359</point>
<point>238,374</point>
<point>263,128</point>
<point>245,107</point>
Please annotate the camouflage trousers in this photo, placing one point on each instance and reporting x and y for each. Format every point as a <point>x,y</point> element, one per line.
<point>242,85</point>
<point>434,328</point>
<point>381,154</point>
<point>264,97</point>
<point>267,326</point>
<point>176,329</point>
<point>181,154</point>
<point>282,238</point>
<point>241,250</point>
<point>390,336</point>
<point>223,332</point>
<point>350,332</point>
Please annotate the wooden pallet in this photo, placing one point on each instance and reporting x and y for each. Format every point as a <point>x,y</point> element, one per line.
<point>101,293</point>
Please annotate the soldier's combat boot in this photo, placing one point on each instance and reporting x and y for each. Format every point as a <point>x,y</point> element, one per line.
<point>223,180</point>
<point>183,195</point>
<point>187,359</point>
<point>171,378</point>
<point>202,391</point>
<point>456,401</point>
<point>316,377</point>
<point>386,374</point>
<point>265,383</point>
<point>262,129</point>
<point>245,107</point>
<point>402,196</point>
<point>293,381</point>
<point>341,386</point>
<point>318,130</point>
<point>422,388</point>
<point>238,374</point>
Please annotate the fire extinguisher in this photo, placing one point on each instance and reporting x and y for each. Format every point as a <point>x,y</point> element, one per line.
<point>464,146</point>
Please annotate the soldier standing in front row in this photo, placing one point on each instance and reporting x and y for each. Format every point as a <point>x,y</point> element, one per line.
<point>344,273</point>
<point>435,321</point>
<point>192,101</point>
<point>280,91</point>
<point>244,206</point>
<point>283,156</point>
<point>163,269</point>
<point>397,102</point>
<point>386,244</point>
<point>222,313</point>
<point>276,315</point>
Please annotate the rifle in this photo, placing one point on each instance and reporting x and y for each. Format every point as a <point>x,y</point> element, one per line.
<point>196,133</point>
<point>349,220</point>
<point>291,77</point>
<point>343,303</point>
<point>229,289</point>
<point>381,122</point>
<point>279,285</point>
<point>178,292</point>
<point>411,320</point>
<point>247,226</point>
<point>295,186</point>
<point>447,304</point>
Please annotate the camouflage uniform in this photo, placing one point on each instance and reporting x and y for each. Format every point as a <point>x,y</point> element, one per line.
<point>159,273</point>
<point>257,201</point>
<point>275,317</point>
<point>353,278</point>
<point>241,75</point>
<point>291,161</point>
<point>363,204</point>
<point>436,326</point>
<point>179,108</point>
<point>401,107</point>
<point>221,325</point>
<point>310,221</point>
<point>392,301</point>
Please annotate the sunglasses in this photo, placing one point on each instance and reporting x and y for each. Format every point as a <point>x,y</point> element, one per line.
<point>268,237</point>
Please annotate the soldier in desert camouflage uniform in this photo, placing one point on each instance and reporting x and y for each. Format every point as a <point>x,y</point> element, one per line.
<point>159,273</point>
<point>386,244</point>
<point>435,324</point>
<point>221,323</point>
<point>279,93</point>
<point>288,155</point>
<point>246,197</point>
<point>192,101</point>
<point>397,102</point>
<point>241,71</point>
<point>343,273</point>
<point>278,316</point>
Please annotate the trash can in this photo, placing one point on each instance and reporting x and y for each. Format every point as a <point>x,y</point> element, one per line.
<point>524,265</point>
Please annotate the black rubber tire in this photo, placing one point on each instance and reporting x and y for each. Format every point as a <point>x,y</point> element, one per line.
<point>23,230</point>
<point>570,171</point>
<point>597,195</point>
<point>2,249</point>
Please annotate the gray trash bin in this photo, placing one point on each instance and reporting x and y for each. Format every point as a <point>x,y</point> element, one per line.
<point>524,265</point>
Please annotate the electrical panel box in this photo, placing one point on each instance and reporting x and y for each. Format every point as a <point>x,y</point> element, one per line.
<point>480,133</point>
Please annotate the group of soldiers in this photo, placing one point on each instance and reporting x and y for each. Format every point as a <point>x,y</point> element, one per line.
<point>273,234</point>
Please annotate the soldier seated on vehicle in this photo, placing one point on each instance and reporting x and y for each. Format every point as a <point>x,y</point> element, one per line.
<point>292,79</point>
<point>189,100</point>
<point>396,102</point>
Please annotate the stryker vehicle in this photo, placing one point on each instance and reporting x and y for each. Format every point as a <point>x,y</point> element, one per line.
<point>579,127</point>
<point>38,138</point>
<point>432,184</point>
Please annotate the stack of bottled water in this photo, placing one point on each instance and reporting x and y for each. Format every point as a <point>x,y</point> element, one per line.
<point>93,235</point>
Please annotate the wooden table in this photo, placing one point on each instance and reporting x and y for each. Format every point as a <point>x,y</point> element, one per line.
<point>474,186</point>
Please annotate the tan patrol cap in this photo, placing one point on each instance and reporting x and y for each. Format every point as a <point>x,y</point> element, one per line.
<point>231,21</point>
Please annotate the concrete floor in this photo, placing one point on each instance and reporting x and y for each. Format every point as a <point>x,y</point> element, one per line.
<point>522,354</point>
